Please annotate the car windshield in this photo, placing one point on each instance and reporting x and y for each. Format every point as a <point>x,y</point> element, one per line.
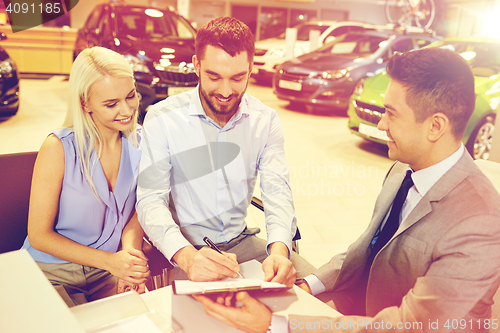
<point>303,31</point>
<point>353,44</point>
<point>484,58</point>
<point>151,23</point>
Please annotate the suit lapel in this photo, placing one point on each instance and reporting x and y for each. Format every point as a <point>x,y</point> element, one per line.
<point>386,197</point>
<point>443,186</point>
<point>357,254</point>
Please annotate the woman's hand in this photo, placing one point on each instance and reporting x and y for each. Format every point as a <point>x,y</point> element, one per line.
<point>129,265</point>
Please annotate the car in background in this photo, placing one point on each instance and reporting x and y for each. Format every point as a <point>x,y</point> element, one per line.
<point>326,77</point>
<point>270,52</point>
<point>366,105</point>
<point>9,83</point>
<point>158,44</point>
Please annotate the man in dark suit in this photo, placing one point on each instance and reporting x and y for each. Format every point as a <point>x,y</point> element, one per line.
<point>429,260</point>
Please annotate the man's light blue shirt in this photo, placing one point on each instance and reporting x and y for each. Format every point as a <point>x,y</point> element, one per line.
<point>207,174</point>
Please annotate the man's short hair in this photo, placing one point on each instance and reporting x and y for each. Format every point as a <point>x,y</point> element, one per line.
<point>437,80</point>
<point>227,33</point>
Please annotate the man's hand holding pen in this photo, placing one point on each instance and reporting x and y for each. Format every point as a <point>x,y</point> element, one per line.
<point>206,264</point>
<point>211,264</point>
<point>212,245</point>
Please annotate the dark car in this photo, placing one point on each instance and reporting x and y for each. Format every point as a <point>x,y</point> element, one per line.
<point>270,52</point>
<point>9,83</point>
<point>327,77</point>
<point>158,43</point>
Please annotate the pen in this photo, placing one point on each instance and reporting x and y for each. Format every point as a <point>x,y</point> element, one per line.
<point>214,247</point>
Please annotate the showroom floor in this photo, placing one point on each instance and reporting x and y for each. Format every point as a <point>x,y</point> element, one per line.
<point>335,176</point>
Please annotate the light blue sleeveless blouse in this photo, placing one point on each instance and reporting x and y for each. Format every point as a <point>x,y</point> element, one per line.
<point>81,216</point>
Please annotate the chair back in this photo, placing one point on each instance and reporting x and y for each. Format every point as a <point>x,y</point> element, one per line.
<point>15,177</point>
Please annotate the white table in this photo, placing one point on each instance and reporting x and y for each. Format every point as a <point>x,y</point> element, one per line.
<point>192,318</point>
<point>184,314</point>
<point>30,304</point>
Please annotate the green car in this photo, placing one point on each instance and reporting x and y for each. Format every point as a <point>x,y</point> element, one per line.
<point>483,54</point>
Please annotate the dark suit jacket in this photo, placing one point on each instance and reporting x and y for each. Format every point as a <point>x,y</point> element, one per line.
<point>442,265</point>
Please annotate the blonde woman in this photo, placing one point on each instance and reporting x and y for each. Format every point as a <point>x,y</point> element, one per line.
<point>82,227</point>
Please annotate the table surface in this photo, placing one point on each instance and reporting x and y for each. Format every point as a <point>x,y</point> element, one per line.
<point>183,309</point>
<point>183,314</point>
<point>28,302</point>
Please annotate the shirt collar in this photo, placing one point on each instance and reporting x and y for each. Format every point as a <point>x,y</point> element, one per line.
<point>196,108</point>
<point>426,178</point>
<point>242,111</point>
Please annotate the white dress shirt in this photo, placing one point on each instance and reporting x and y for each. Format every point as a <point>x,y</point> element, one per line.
<point>207,174</point>
<point>423,181</point>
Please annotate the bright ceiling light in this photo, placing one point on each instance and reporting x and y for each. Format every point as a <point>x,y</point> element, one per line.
<point>491,23</point>
<point>153,12</point>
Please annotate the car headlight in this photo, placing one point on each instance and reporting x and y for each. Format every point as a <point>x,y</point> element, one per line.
<point>7,66</point>
<point>358,88</point>
<point>137,64</point>
<point>332,74</point>
<point>279,53</point>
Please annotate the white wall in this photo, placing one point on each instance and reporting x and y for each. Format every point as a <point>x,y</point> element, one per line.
<point>463,18</point>
<point>81,11</point>
<point>363,11</point>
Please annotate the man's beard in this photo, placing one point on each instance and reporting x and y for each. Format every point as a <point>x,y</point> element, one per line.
<point>223,110</point>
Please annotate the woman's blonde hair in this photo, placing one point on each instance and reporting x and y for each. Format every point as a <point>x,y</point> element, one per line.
<point>92,65</point>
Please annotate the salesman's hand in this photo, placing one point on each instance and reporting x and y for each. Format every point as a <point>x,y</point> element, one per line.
<point>277,267</point>
<point>252,317</point>
<point>206,264</point>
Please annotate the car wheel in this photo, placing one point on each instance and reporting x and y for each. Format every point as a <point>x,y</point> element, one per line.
<point>479,144</point>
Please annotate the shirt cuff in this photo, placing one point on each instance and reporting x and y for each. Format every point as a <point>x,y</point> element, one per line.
<point>279,324</point>
<point>171,245</point>
<point>278,236</point>
<point>315,284</point>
